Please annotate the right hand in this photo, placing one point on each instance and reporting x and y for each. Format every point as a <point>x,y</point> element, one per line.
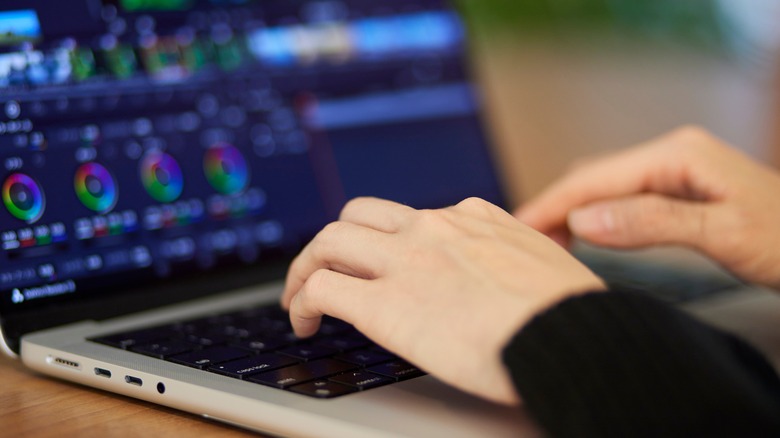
<point>444,289</point>
<point>686,188</point>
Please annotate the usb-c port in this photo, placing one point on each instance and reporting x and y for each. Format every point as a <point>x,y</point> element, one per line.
<point>103,373</point>
<point>134,381</point>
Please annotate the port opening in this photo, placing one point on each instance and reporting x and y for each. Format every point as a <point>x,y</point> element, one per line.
<point>64,362</point>
<point>103,373</point>
<point>134,380</point>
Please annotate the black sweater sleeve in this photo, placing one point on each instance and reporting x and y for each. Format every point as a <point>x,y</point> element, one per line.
<point>623,364</point>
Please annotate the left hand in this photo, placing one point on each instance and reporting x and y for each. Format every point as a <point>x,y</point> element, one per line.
<point>445,289</point>
<point>684,188</point>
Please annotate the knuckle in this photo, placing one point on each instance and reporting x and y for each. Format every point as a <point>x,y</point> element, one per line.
<point>700,225</point>
<point>300,298</point>
<point>653,212</point>
<point>313,286</point>
<point>357,201</point>
<point>473,202</point>
<point>319,246</point>
<point>663,220</point>
<point>692,133</point>
<point>645,214</point>
<point>435,225</point>
<point>353,205</point>
<point>316,248</point>
<point>296,261</point>
<point>481,206</point>
<point>477,206</point>
<point>330,233</point>
<point>740,224</point>
<point>333,228</point>
<point>295,266</point>
<point>693,139</point>
<point>624,217</point>
<point>317,281</point>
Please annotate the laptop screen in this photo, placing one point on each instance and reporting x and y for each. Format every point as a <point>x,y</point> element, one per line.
<point>151,140</point>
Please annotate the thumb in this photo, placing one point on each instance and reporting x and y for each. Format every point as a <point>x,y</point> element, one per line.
<point>640,221</point>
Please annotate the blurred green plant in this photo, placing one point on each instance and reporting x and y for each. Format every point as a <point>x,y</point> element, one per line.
<point>693,21</point>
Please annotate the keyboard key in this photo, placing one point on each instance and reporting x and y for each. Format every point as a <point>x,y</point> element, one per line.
<point>323,389</point>
<point>258,345</point>
<point>397,369</point>
<point>308,352</point>
<point>366,358</point>
<point>207,339</point>
<point>270,326</point>
<point>127,340</point>
<point>380,349</point>
<point>236,331</point>
<point>273,312</point>
<point>260,326</point>
<point>362,379</point>
<point>261,345</point>
<point>193,326</point>
<point>302,373</point>
<point>288,336</point>
<point>241,368</point>
<point>203,325</point>
<point>332,326</point>
<point>343,343</point>
<point>164,349</point>
<point>205,358</point>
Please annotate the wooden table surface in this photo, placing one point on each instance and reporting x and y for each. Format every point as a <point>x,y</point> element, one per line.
<point>537,143</point>
<point>33,405</point>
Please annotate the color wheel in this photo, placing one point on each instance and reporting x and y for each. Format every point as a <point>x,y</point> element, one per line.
<point>161,176</point>
<point>23,197</point>
<point>95,187</point>
<point>226,169</point>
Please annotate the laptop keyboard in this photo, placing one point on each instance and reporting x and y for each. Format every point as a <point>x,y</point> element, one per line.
<point>258,346</point>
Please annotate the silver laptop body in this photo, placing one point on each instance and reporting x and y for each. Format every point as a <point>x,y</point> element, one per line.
<point>165,160</point>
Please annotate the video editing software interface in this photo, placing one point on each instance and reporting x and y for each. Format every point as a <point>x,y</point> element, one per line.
<point>148,139</point>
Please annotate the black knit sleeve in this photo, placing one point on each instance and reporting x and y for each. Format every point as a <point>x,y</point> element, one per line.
<point>623,364</point>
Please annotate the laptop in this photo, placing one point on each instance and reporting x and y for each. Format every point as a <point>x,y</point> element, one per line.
<point>163,162</point>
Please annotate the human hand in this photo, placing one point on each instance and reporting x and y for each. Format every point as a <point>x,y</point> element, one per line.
<point>444,289</point>
<point>686,188</point>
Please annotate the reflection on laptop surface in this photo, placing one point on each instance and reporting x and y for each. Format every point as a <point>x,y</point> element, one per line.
<point>156,152</point>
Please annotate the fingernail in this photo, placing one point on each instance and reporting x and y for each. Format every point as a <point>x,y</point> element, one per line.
<point>591,220</point>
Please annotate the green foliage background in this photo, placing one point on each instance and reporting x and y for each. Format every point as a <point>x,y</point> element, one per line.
<point>692,21</point>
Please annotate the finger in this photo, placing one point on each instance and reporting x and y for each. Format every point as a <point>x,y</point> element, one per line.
<point>618,175</point>
<point>343,247</point>
<point>328,293</point>
<point>375,213</point>
<point>658,166</point>
<point>643,220</point>
<point>561,236</point>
